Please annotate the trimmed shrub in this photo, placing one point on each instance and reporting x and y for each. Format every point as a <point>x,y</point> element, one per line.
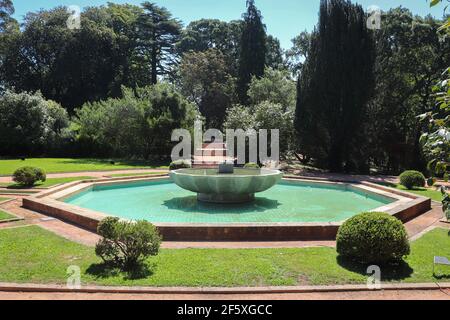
<point>412,179</point>
<point>180,164</point>
<point>251,165</point>
<point>127,244</point>
<point>373,238</point>
<point>28,176</point>
<point>431,181</point>
<point>446,177</point>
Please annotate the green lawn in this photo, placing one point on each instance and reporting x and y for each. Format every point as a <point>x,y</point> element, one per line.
<point>52,165</point>
<point>32,254</point>
<point>424,192</point>
<point>48,183</point>
<point>135,174</point>
<point>4,215</point>
<point>3,199</point>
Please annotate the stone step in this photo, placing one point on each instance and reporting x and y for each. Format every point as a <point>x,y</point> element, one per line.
<point>214,145</point>
<point>212,152</point>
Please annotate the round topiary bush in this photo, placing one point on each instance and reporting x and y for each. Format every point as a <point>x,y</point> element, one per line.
<point>127,244</point>
<point>180,164</point>
<point>252,165</point>
<point>28,176</point>
<point>412,179</point>
<point>373,238</point>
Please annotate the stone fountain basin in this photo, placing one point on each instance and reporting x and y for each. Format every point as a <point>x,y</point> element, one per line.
<point>239,186</point>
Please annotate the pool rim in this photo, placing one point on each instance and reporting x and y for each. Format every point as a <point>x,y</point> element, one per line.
<point>49,202</point>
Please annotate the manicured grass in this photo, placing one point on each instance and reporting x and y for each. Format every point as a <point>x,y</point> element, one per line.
<point>135,174</point>
<point>54,165</point>
<point>32,254</point>
<point>4,215</point>
<point>48,183</point>
<point>424,192</point>
<point>3,199</point>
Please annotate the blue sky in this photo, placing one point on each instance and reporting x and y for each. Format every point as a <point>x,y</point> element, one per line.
<point>283,18</point>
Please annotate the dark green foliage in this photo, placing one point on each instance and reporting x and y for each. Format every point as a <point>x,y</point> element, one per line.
<point>127,244</point>
<point>29,124</point>
<point>410,60</point>
<point>431,181</point>
<point>117,45</point>
<point>334,88</point>
<point>139,124</point>
<point>28,176</point>
<point>253,49</point>
<point>79,65</point>
<point>373,238</point>
<point>206,34</point>
<point>180,164</point>
<point>412,179</point>
<point>274,54</point>
<point>206,80</point>
<point>251,165</point>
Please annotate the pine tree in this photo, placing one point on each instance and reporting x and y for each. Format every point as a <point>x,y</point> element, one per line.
<point>158,33</point>
<point>253,50</point>
<point>334,87</point>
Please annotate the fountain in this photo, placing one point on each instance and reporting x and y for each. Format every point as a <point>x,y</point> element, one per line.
<point>225,185</point>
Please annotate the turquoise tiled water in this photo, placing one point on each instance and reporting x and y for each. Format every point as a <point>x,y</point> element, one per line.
<point>163,201</point>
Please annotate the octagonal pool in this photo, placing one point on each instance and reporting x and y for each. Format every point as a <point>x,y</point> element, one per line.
<point>290,201</point>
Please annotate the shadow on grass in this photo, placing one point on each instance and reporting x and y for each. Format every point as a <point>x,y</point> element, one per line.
<point>106,270</point>
<point>21,187</point>
<point>390,272</point>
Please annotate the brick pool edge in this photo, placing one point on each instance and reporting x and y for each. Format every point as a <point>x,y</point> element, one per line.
<point>46,202</point>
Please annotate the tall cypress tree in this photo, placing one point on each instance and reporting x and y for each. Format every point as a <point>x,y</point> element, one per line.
<point>253,50</point>
<point>334,88</point>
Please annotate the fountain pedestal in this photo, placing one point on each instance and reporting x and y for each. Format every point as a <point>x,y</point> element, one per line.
<point>238,187</point>
<point>226,197</point>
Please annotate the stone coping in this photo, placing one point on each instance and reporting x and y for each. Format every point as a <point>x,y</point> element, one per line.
<point>16,287</point>
<point>406,207</point>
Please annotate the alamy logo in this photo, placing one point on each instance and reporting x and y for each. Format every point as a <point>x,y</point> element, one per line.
<point>74,20</point>
<point>374,19</point>
<point>236,144</point>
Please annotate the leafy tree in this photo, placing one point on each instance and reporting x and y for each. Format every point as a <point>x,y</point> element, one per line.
<point>253,49</point>
<point>79,65</point>
<point>334,87</point>
<point>299,52</point>
<point>274,54</point>
<point>272,106</point>
<point>29,124</point>
<point>410,59</point>
<point>265,115</point>
<point>7,23</point>
<point>275,86</point>
<point>436,141</point>
<point>205,34</point>
<point>158,34</point>
<point>138,124</point>
<point>206,79</point>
